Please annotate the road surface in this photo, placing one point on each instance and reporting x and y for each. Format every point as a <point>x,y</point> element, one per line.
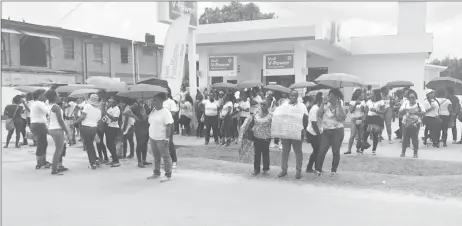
<point>123,196</point>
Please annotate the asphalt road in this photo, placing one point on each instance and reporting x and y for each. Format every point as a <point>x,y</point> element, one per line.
<point>123,196</point>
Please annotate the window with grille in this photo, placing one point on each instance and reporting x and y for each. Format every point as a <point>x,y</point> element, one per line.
<point>98,51</point>
<point>124,54</point>
<point>68,44</point>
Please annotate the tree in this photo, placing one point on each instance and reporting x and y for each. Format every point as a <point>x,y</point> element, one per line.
<point>454,66</point>
<point>234,12</point>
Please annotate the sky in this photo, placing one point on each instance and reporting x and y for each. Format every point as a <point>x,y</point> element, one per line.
<point>132,20</point>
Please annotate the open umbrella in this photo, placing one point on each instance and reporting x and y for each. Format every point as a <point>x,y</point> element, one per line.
<point>141,91</point>
<point>323,91</point>
<point>300,85</point>
<point>444,82</point>
<point>248,84</point>
<point>399,84</point>
<point>154,81</point>
<point>277,88</point>
<point>83,92</point>
<point>339,80</point>
<point>71,88</point>
<point>28,89</point>
<point>109,84</point>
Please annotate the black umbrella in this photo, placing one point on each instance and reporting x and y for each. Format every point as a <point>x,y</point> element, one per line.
<point>154,81</point>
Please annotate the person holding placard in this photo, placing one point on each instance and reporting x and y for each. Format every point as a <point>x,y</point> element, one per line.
<point>331,117</point>
<point>287,124</point>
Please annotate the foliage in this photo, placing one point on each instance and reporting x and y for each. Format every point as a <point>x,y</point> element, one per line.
<point>454,66</point>
<point>234,12</point>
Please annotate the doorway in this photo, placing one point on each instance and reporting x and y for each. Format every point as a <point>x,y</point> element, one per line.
<point>285,80</point>
<point>217,80</point>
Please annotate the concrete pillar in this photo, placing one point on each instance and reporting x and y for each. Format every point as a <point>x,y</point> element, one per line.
<point>204,69</point>
<point>192,62</point>
<point>299,62</point>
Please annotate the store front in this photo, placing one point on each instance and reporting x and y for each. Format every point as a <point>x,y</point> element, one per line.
<point>284,51</point>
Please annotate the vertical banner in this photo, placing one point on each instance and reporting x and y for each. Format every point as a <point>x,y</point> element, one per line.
<point>175,44</point>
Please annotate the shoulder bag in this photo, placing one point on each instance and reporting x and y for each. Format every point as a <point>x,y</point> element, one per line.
<point>9,123</point>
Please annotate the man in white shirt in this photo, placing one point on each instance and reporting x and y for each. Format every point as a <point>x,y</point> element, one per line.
<point>170,105</point>
<point>111,131</point>
<point>69,118</point>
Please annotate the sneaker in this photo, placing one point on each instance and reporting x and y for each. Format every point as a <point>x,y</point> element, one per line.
<point>115,164</point>
<point>347,153</point>
<point>255,173</point>
<point>415,156</point>
<point>153,177</point>
<point>402,155</point>
<point>147,163</point>
<point>332,174</point>
<point>298,175</point>
<point>174,165</point>
<point>265,172</point>
<point>62,169</point>
<point>317,173</point>
<point>282,174</point>
<point>390,141</point>
<point>130,156</point>
<point>373,152</point>
<point>308,170</point>
<point>141,165</point>
<point>165,179</point>
<point>47,165</point>
<point>93,167</point>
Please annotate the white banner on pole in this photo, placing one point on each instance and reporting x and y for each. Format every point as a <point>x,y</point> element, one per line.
<point>174,52</point>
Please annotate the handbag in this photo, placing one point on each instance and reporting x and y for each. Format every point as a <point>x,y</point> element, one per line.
<point>9,123</point>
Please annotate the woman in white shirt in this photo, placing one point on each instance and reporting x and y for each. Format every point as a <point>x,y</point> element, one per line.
<point>431,120</point>
<point>374,122</point>
<point>314,132</point>
<point>211,119</point>
<point>160,128</point>
<point>412,113</point>
<point>57,130</point>
<point>91,114</point>
<point>226,126</point>
<point>112,119</point>
<point>445,108</point>
<point>357,110</point>
<point>38,119</point>
<point>186,114</point>
<point>244,108</point>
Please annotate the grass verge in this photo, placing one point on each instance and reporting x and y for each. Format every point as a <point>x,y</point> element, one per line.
<point>433,179</point>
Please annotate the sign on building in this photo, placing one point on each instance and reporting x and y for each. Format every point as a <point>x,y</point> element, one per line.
<point>170,11</point>
<point>278,64</point>
<point>222,66</point>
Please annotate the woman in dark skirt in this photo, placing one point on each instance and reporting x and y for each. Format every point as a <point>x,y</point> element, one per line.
<point>374,122</point>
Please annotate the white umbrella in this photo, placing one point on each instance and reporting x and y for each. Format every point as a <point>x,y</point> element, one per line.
<point>83,92</point>
<point>107,83</point>
<point>72,88</point>
<point>339,80</point>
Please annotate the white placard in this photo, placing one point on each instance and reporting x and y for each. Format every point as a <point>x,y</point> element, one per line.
<point>287,123</point>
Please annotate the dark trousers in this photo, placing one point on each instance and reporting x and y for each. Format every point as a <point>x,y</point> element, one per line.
<point>102,152</point>
<point>315,141</point>
<point>432,129</point>
<point>142,138</point>
<point>330,138</point>
<point>445,127</point>
<point>200,126</point>
<point>234,128</point>
<point>241,121</point>
<point>23,130</point>
<point>454,128</point>
<point>129,137</point>
<point>88,135</point>
<point>111,135</point>
<point>375,139</point>
<point>411,133</point>
<point>176,124</point>
<point>40,131</point>
<point>186,123</point>
<point>211,122</point>
<point>261,147</point>
<point>172,149</point>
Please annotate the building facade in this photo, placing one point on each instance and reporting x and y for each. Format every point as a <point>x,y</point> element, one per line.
<point>285,52</point>
<point>34,54</point>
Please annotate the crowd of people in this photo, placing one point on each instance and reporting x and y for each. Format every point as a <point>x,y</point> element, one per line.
<point>242,117</point>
